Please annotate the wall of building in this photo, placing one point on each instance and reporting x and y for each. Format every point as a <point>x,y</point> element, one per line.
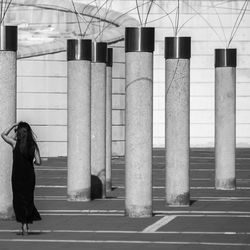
<point>42,86</point>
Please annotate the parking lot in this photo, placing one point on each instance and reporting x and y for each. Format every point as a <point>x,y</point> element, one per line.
<point>214,220</point>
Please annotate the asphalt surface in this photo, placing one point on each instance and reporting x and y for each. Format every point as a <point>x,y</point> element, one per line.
<point>214,220</point>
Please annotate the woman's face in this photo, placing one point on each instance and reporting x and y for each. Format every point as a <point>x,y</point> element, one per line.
<point>23,132</point>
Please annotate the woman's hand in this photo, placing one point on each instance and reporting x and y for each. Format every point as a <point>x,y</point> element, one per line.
<point>6,137</point>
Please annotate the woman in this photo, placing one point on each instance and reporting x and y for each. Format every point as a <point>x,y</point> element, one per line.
<point>25,151</point>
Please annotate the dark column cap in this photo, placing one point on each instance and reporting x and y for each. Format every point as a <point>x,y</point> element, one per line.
<point>139,39</point>
<point>79,49</point>
<point>8,38</point>
<point>110,57</point>
<point>99,52</point>
<point>225,58</point>
<point>177,47</point>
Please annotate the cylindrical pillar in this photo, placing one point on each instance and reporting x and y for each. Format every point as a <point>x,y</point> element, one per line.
<point>177,121</point>
<point>225,118</point>
<point>139,47</point>
<point>109,120</point>
<point>98,119</point>
<point>79,70</point>
<point>8,48</point>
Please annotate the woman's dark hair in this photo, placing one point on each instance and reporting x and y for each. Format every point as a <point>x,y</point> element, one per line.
<point>26,139</point>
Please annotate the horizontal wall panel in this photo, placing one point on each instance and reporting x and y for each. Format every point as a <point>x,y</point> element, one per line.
<point>41,101</point>
<point>158,129</point>
<point>197,116</point>
<point>118,133</point>
<point>51,133</point>
<point>118,70</point>
<point>48,117</point>
<point>118,101</point>
<point>202,103</point>
<point>158,116</point>
<point>119,55</point>
<point>118,86</point>
<point>118,148</point>
<point>205,142</point>
<point>52,149</point>
<point>201,89</point>
<point>202,130</point>
<point>158,142</point>
<point>41,68</point>
<point>118,117</point>
<point>159,89</point>
<point>42,84</point>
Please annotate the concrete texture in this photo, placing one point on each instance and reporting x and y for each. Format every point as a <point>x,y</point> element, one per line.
<point>177,135</point>
<point>79,172</point>
<point>98,123</point>
<point>225,127</point>
<point>7,118</point>
<point>139,134</point>
<point>108,128</point>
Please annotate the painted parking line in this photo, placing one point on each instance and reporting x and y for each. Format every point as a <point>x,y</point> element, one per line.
<point>81,211</point>
<point>51,186</point>
<point>50,169</point>
<point>127,242</point>
<point>124,232</point>
<point>156,212</point>
<point>158,224</point>
<point>154,187</point>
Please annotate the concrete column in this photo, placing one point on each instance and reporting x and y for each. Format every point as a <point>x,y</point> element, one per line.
<point>79,69</point>
<point>177,113</point>
<point>139,47</point>
<point>98,119</point>
<point>109,120</point>
<point>8,47</point>
<point>225,118</point>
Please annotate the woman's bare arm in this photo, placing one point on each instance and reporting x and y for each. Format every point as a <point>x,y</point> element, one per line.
<point>7,138</point>
<point>37,157</point>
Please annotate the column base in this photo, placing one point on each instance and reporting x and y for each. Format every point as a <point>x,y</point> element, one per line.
<point>8,214</point>
<point>182,200</point>
<point>108,185</point>
<point>135,211</point>
<point>80,196</point>
<point>225,184</point>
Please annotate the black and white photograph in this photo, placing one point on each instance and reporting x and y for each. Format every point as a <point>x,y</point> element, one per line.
<point>125,124</point>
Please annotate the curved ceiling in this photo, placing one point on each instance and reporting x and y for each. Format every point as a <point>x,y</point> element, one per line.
<point>45,25</point>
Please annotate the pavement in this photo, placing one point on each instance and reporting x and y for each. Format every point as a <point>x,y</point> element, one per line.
<point>215,219</point>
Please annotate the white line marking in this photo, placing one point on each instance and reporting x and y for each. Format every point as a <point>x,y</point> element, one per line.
<point>158,224</point>
<point>201,212</point>
<point>124,232</point>
<point>50,178</point>
<point>157,212</point>
<point>51,186</point>
<point>210,188</point>
<point>82,214</point>
<point>221,197</point>
<point>127,242</point>
<point>51,169</point>
<point>80,211</point>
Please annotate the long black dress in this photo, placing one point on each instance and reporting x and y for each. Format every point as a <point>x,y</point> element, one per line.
<point>23,185</point>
